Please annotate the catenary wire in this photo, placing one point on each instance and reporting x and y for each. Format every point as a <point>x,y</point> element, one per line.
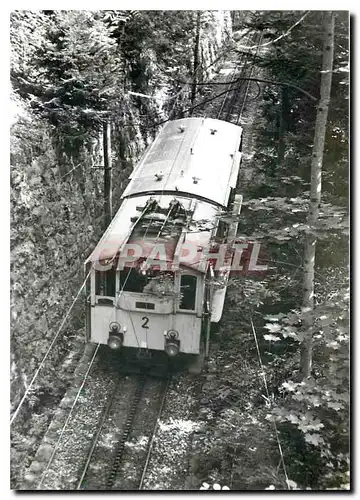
<point>279,37</point>
<point>269,400</point>
<point>68,418</point>
<point>47,352</point>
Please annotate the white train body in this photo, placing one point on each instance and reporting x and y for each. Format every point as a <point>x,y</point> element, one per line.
<point>148,284</point>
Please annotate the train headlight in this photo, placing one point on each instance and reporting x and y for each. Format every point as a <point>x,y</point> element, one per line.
<point>115,342</point>
<point>172,335</point>
<point>172,347</point>
<point>116,338</point>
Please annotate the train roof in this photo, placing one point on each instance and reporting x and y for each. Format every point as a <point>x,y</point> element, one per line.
<point>130,227</point>
<point>195,156</point>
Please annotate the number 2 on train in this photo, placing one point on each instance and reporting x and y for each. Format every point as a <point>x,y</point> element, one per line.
<point>146,321</point>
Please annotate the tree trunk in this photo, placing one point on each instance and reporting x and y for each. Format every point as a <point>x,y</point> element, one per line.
<point>196,58</point>
<point>107,174</point>
<point>315,190</point>
<point>283,124</point>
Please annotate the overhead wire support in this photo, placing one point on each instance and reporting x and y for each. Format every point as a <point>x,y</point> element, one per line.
<point>107,172</point>
<point>196,57</point>
<point>260,80</point>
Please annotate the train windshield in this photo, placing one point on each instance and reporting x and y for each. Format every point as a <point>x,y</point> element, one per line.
<point>131,280</point>
<point>153,282</point>
<point>188,292</point>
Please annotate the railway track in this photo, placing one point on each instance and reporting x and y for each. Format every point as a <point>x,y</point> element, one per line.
<point>235,99</point>
<point>89,446</point>
<point>121,447</point>
<point>229,106</point>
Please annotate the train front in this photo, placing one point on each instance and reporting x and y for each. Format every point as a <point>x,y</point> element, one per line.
<point>146,282</point>
<point>145,295</point>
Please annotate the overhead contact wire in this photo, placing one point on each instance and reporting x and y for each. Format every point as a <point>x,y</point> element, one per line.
<point>68,418</point>
<point>269,400</point>
<point>47,352</point>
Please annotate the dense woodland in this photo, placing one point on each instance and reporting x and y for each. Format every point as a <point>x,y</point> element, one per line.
<point>71,71</point>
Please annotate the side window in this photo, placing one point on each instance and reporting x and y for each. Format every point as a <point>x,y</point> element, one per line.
<point>105,283</point>
<point>131,281</point>
<point>188,292</point>
<point>222,230</point>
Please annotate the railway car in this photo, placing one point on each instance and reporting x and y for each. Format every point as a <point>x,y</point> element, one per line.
<point>150,278</point>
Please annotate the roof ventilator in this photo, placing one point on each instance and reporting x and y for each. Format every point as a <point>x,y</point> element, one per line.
<point>195,180</point>
<point>159,176</point>
<point>213,131</point>
<point>181,128</point>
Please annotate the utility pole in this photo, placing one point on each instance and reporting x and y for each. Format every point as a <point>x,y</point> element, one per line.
<point>283,124</point>
<point>107,173</point>
<point>196,57</point>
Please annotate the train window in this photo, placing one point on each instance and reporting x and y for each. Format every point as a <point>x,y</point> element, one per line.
<point>159,283</point>
<point>222,230</point>
<point>105,283</point>
<point>188,292</point>
<point>132,281</point>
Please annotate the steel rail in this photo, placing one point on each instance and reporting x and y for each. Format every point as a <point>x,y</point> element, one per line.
<point>127,429</point>
<point>248,83</point>
<point>125,435</point>
<point>151,442</point>
<point>241,61</point>
<point>95,440</point>
<point>45,471</point>
<point>227,90</point>
<point>246,61</point>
